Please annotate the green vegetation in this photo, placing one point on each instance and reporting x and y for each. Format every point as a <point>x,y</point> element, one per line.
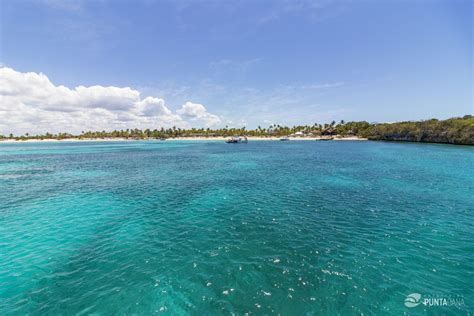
<point>451,131</point>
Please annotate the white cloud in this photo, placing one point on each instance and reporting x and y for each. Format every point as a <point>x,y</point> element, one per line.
<point>197,112</point>
<point>152,107</point>
<point>37,90</point>
<point>30,102</point>
<point>287,104</point>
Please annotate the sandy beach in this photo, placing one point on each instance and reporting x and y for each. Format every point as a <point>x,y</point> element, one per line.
<point>351,138</point>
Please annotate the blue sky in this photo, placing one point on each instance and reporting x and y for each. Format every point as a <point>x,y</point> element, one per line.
<point>256,62</point>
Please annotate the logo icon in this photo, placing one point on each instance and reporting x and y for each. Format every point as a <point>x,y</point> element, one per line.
<point>413,300</point>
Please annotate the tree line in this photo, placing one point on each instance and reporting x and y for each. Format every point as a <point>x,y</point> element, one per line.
<point>450,131</point>
<point>459,130</point>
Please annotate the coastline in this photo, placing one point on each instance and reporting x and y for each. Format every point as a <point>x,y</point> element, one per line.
<point>111,139</point>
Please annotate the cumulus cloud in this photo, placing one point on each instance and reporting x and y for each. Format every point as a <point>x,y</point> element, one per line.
<point>152,106</point>
<point>30,102</point>
<point>38,91</point>
<point>197,112</point>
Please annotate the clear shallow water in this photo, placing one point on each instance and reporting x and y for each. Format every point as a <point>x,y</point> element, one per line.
<point>210,228</point>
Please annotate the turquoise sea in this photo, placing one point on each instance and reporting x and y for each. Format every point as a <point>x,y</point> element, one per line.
<point>208,228</point>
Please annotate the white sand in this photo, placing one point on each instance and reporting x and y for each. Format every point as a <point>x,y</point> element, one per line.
<point>176,138</point>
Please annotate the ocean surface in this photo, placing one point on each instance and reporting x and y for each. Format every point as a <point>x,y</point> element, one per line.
<point>208,228</point>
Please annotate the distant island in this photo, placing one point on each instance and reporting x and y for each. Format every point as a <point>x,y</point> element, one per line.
<point>458,130</point>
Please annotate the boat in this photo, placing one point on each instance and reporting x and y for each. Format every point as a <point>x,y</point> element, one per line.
<point>326,138</point>
<point>283,139</point>
<point>237,140</point>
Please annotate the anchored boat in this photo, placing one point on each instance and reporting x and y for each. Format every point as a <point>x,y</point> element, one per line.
<point>326,138</point>
<point>237,140</point>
